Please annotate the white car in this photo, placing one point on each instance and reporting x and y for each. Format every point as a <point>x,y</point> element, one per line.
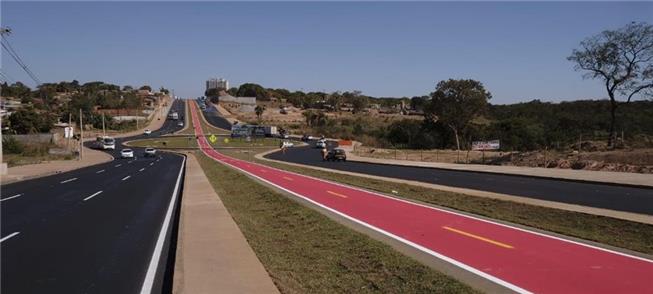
<point>321,144</point>
<point>286,144</point>
<point>127,153</point>
<point>147,132</point>
<point>180,124</point>
<point>150,152</point>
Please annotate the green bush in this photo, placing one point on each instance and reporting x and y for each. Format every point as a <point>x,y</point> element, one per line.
<point>12,146</point>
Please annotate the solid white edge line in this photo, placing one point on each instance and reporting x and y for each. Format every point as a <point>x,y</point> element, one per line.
<point>148,282</point>
<point>11,197</point>
<point>94,194</point>
<point>5,238</point>
<point>407,242</point>
<point>127,177</point>
<point>468,216</point>
<point>68,180</point>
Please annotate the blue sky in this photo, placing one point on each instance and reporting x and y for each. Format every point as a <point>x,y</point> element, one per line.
<point>517,49</point>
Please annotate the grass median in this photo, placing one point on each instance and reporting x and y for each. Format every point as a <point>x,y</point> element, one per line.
<point>306,252</point>
<point>615,232</point>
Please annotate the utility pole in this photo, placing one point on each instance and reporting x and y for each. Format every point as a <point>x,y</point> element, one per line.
<point>70,125</point>
<point>3,167</point>
<point>81,136</point>
<point>104,132</point>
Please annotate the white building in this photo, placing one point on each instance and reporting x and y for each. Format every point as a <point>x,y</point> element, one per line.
<point>217,83</point>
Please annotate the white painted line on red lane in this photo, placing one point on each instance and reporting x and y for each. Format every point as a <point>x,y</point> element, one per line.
<point>125,178</point>
<point>393,236</point>
<point>142,169</point>
<point>100,171</point>
<point>11,197</point>
<point>94,194</point>
<point>148,282</point>
<point>5,238</point>
<point>67,181</point>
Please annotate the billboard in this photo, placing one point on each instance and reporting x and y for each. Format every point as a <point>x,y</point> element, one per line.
<point>486,145</point>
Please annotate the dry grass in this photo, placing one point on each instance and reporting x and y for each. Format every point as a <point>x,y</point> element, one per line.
<point>615,232</point>
<point>306,252</point>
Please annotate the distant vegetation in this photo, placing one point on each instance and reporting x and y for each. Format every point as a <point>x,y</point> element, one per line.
<point>62,101</point>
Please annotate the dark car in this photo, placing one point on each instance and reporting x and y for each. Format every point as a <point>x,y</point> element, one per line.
<point>336,155</point>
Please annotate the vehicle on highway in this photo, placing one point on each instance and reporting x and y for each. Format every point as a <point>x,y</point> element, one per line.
<point>307,138</point>
<point>336,155</point>
<point>321,144</point>
<point>126,153</point>
<point>147,132</point>
<point>180,124</point>
<point>173,116</point>
<point>149,152</point>
<point>105,143</point>
<point>287,144</point>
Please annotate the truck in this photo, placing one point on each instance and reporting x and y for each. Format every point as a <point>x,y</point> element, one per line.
<point>173,115</point>
<point>271,131</point>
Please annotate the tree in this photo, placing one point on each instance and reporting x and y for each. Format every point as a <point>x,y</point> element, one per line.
<point>359,103</point>
<point>418,102</point>
<point>27,120</point>
<point>259,111</point>
<point>213,92</point>
<point>623,60</point>
<point>455,103</point>
<point>146,87</point>
<point>127,88</point>
<point>253,90</point>
<point>164,90</point>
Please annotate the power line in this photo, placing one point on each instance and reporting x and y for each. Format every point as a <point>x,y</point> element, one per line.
<point>7,78</point>
<point>14,55</point>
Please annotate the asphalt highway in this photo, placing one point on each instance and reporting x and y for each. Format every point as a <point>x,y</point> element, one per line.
<point>213,117</point>
<point>621,198</point>
<point>517,259</point>
<point>93,230</point>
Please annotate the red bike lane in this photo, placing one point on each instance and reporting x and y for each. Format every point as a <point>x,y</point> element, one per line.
<point>518,259</point>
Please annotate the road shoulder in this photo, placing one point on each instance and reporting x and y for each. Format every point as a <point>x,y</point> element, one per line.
<point>640,218</point>
<point>212,253</point>
<point>33,171</point>
<point>603,177</point>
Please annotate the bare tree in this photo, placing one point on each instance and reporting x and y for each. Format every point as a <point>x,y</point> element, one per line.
<point>623,60</point>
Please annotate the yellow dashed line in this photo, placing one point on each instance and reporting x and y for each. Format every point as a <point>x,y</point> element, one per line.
<point>478,237</point>
<point>336,194</point>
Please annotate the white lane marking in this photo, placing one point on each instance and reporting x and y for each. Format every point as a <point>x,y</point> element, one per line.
<point>5,238</point>
<point>117,165</point>
<point>391,235</point>
<point>99,172</point>
<point>68,180</point>
<point>127,177</point>
<point>450,212</point>
<point>142,169</point>
<point>11,197</point>
<point>151,163</point>
<point>128,162</point>
<point>148,282</point>
<point>94,194</point>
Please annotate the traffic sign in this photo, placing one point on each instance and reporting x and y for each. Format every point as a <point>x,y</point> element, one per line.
<point>213,138</point>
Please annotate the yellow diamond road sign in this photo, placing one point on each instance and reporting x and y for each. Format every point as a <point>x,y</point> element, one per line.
<point>213,138</point>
